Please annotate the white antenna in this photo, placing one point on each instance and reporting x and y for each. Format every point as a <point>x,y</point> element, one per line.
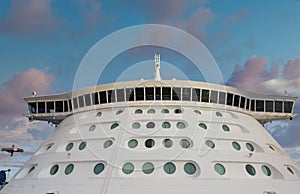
<point>157,66</point>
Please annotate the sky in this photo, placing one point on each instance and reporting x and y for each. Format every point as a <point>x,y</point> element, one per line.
<point>254,42</point>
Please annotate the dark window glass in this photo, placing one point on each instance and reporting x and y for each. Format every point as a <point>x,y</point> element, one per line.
<point>129,94</point>
<point>111,96</point>
<point>214,96</point>
<point>120,95</point>
<point>242,104</point>
<point>260,104</point>
<point>278,106</point>
<point>166,93</point>
<point>236,100</point>
<point>66,106</point>
<point>186,94</point>
<point>229,99</point>
<point>75,103</point>
<point>252,105</point>
<point>32,107</point>
<point>139,93</point>
<point>95,98</point>
<point>59,106</point>
<point>80,101</point>
<point>196,95</point>
<point>149,93</point>
<point>102,97</point>
<point>41,107</point>
<point>269,106</point>
<point>50,107</point>
<point>205,96</point>
<point>222,96</point>
<point>70,105</point>
<point>158,93</point>
<point>248,104</point>
<point>176,94</point>
<point>288,106</point>
<point>87,99</point>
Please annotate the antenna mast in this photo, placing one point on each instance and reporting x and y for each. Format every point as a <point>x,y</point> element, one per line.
<point>157,66</point>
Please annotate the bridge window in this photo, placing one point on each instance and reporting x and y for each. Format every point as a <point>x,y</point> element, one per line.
<point>129,94</point>
<point>278,106</point>
<point>242,104</point>
<point>269,106</point>
<point>66,106</point>
<point>32,107</point>
<point>111,96</point>
<point>196,95</point>
<point>103,97</point>
<point>176,94</point>
<point>229,99</point>
<point>150,93</point>
<point>75,103</point>
<point>50,107</point>
<point>158,93</point>
<point>41,107</point>
<point>236,100</point>
<point>120,95</point>
<point>252,105</point>
<point>87,99</point>
<point>186,94</point>
<point>205,96</point>
<point>70,105</point>
<point>59,106</point>
<point>166,93</point>
<point>95,98</point>
<point>80,101</point>
<point>288,106</point>
<point>222,96</point>
<point>214,96</point>
<point>260,104</point>
<point>139,94</point>
<point>248,104</point>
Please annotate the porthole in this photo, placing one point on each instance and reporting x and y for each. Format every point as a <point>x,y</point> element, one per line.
<point>69,169</point>
<point>166,125</point>
<point>69,146</point>
<point>184,143</point>
<point>189,168</point>
<point>92,128</point>
<point>266,170</point>
<point>132,143</point>
<point>210,144</point>
<point>197,111</point>
<point>271,147</point>
<point>119,112</point>
<point>165,111</point>
<point>49,146</point>
<point>114,125</point>
<point>149,143</point>
<point>150,125</point>
<point>225,128</point>
<point>219,114</point>
<point>151,111</point>
<point>107,143</point>
<point>236,146</point>
<point>290,170</point>
<point>180,125</point>
<point>82,145</point>
<point>128,168</point>
<point>168,143</point>
<point>99,168</point>
<point>148,168</point>
<point>54,169</point>
<point>220,169</point>
<point>99,114</point>
<point>202,125</point>
<point>136,125</point>
<point>250,147</point>
<point>250,169</point>
<point>138,111</point>
<point>177,111</point>
<point>31,169</point>
<point>169,168</point>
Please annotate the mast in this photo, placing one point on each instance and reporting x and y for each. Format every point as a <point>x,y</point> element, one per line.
<point>157,66</point>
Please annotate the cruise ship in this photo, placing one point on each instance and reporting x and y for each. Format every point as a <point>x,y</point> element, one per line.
<point>158,136</point>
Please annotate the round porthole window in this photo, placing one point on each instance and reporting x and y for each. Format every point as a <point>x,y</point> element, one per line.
<point>180,125</point>
<point>69,146</point>
<point>54,169</point>
<point>128,168</point>
<point>31,169</point>
<point>169,168</point>
<point>202,125</point>
<point>225,128</point>
<point>99,114</point>
<point>236,146</point>
<point>150,125</point>
<point>250,169</point>
<point>177,111</point>
<point>189,168</point>
<point>197,111</point>
<point>119,112</point>
<point>168,143</point>
<point>290,170</point>
<point>132,143</point>
<point>151,111</point>
<point>107,143</point>
<point>184,143</point>
<point>98,168</point>
<point>148,168</point>
<point>69,169</point>
<point>266,170</point>
<point>210,144</point>
<point>149,143</point>
<point>219,114</point>
<point>164,111</point>
<point>82,145</point>
<point>220,169</point>
<point>250,147</point>
<point>92,128</point>
<point>136,125</point>
<point>138,111</point>
<point>114,125</point>
<point>166,125</point>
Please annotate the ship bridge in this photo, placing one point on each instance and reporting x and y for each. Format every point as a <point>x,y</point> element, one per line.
<point>263,107</point>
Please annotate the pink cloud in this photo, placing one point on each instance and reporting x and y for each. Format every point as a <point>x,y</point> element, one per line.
<point>292,69</point>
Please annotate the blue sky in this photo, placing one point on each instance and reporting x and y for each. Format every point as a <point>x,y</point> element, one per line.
<point>42,44</point>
